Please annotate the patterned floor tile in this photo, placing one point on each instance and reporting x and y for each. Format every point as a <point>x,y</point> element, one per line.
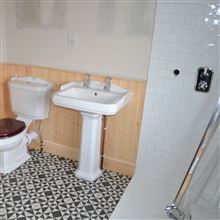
<point>45,188</point>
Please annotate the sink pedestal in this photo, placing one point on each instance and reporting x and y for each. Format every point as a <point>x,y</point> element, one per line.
<point>89,162</point>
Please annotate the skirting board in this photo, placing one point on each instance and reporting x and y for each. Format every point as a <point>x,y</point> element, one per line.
<point>118,166</point>
<point>73,154</point>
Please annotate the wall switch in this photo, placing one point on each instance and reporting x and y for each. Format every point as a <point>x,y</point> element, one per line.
<point>71,39</point>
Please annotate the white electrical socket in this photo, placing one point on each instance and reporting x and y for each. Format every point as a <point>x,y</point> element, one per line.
<point>71,39</point>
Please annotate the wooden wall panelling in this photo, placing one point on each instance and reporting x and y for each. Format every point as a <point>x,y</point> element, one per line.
<point>61,131</point>
<point>1,90</point>
<point>63,126</point>
<point>123,130</point>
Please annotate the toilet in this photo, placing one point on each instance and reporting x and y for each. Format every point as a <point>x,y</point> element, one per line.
<point>30,98</point>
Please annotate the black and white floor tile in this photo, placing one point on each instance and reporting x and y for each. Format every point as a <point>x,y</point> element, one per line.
<point>45,188</point>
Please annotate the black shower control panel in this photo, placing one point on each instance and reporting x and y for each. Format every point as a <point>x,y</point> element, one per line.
<point>204,79</point>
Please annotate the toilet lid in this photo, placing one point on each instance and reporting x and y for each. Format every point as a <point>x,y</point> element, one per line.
<point>10,127</point>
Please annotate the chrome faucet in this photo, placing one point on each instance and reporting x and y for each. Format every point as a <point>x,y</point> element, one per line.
<point>86,83</point>
<point>108,84</point>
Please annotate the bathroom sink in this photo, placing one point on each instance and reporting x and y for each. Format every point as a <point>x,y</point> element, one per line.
<point>94,99</point>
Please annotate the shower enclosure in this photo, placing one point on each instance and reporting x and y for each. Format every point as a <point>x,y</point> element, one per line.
<point>199,194</point>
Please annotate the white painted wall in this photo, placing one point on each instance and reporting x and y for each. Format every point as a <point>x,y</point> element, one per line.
<point>175,115</point>
<point>114,42</point>
<point>3,52</point>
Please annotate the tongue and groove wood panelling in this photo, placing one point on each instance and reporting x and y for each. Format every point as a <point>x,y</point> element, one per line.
<point>1,90</point>
<point>61,132</point>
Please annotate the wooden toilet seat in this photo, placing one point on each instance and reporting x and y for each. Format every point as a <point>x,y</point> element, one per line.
<point>10,127</point>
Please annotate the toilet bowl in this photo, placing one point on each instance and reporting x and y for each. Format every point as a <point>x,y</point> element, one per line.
<point>12,146</point>
<point>30,99</point>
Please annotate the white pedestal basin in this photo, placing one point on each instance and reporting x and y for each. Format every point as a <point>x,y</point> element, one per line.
<point>93,103</point>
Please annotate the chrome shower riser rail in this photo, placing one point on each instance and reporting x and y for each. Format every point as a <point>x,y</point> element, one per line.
<point>173,210</point>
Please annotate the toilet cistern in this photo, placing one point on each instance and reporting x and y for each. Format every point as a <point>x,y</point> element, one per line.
<point>93,102</point>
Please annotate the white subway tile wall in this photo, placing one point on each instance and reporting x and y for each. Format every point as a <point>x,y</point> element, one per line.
<point>175,115</point>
